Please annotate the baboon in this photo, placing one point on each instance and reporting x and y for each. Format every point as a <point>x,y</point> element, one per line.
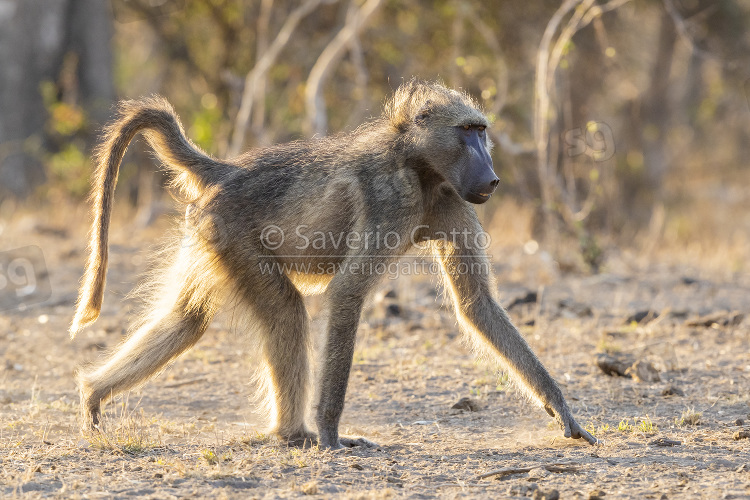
<point>405,179</point>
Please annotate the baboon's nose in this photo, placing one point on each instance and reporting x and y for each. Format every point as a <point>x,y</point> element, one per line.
<point>490,187</point>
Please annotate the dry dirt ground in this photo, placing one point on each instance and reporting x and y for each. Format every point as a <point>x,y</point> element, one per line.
<point>677,429</point>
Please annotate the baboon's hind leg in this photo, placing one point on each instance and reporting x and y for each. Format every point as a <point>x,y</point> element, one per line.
<point>286,342</point>
<point>177,322</point>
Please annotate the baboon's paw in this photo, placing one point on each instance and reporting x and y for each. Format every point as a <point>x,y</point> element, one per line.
<point>90,418</point>
<point>578,432</point>
<point>571,428</point>
<point>360,441</point>
<point>90,425</point>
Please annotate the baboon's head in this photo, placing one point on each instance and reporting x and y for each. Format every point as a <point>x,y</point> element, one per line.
<point>447,132</point>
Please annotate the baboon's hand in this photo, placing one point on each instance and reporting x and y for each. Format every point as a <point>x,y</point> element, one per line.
<point>570,427</point>
<point>578,432</point>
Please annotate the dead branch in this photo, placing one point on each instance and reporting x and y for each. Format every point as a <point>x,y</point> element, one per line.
<point>548,60</point>
<point>505,472</point>
<point>259,99</point>
<point>499,57</point>
<point>317,119</point>
<point>361,76</point>
<point>182,383</point>
<point>541,111</point>
<point>261,68</point>
<point>557,468</point>
<point>684,31</point>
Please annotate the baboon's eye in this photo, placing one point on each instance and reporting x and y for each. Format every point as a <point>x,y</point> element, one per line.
<point>467,127</point>
<point>481,128</point>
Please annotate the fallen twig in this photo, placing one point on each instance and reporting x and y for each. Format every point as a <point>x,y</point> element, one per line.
<point>505,472</point>
<point>558,468</point>
<point>665,442</point>
<point>185,382</point>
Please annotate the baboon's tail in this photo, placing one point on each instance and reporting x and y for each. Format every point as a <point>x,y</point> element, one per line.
<point>162,128</point>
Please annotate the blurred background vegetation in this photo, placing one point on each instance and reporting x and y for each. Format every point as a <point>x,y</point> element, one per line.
<point>617,123</point>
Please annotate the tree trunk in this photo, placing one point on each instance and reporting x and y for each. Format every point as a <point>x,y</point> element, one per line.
<point>656,108</point>
<point>35,35</point>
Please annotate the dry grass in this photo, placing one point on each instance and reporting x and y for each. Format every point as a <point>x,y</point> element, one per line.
<point>689,417</point>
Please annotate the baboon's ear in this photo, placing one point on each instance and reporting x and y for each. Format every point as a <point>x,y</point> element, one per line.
<point>423,114</point>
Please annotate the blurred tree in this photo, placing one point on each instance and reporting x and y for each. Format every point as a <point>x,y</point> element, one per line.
<point>65,42</point>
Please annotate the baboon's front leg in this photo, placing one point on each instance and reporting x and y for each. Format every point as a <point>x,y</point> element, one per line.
<point>346,295</point>
<point>467,273</point>
<point>337,363</point>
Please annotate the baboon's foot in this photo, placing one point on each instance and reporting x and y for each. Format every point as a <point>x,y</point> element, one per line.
<point>90,416</point>
<point>90,407</point>
<point>351,442</point>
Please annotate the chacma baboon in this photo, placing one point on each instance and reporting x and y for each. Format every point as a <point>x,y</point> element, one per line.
<point>406,178</point>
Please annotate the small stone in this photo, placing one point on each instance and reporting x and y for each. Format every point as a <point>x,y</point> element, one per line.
<point>642,317</point>
<point>665,442</point>
<point>597,495</point>
<point>613,365</point>
<point>643,371</point>
<point>31,486</point>
<point>672,391</point>
<point>717,319</point>
<point>393,310</point>
<point>529,298</point>
<point>394,480</point>
<point>538,473</point>
<point>741,435</point>
<point>575,309</point>
<point>310,488</point>
<point>467,404</point>
<point>739,421</point>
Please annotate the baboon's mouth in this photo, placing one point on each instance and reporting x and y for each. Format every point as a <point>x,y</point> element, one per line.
<point>477,198</point>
